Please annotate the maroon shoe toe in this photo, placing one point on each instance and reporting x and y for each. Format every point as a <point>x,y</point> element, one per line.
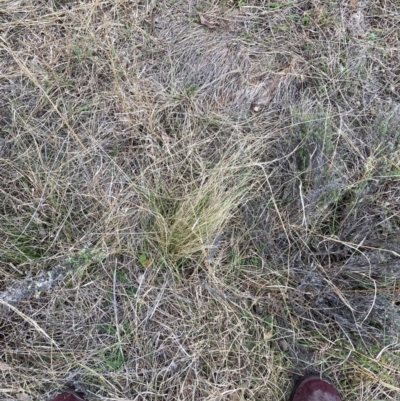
<point>313,388</point>
<point>68,396</point>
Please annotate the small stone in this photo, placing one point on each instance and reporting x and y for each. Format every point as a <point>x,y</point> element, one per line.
<point>283,344</point>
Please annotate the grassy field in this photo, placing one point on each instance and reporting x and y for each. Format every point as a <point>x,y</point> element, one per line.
<point>200,199</point>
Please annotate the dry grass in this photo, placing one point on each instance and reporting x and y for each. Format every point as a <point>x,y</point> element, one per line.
<point>199,213</point>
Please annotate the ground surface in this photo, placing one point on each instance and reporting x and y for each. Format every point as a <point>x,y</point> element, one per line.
<point>199,199</point>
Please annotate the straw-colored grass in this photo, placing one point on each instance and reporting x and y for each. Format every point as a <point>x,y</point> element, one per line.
<point>199,199</point>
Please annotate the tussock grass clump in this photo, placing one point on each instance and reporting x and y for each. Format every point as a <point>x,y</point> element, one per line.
<point>186,219</point>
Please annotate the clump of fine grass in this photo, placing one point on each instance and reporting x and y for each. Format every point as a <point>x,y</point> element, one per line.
<point>186,221</point>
